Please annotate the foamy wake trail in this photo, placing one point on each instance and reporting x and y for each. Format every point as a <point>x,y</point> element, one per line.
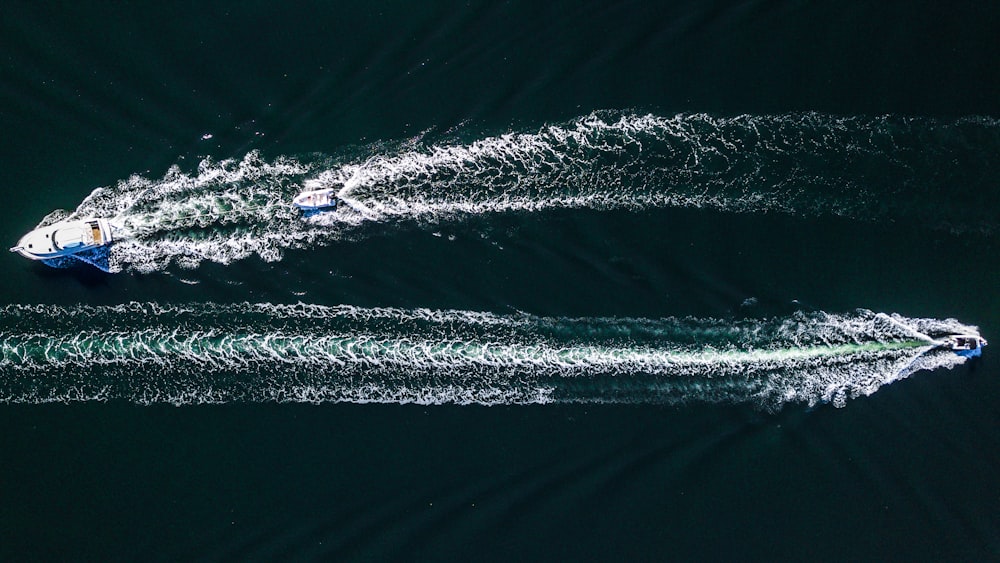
<point>147,353</point>
<point>919,170</point>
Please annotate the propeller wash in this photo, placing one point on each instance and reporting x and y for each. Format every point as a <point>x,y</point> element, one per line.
<point>148,353</point>
<point>802,164</point>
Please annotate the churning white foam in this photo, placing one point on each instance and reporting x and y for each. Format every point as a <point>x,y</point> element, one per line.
<point>801,164</point>
<point>262,352</point>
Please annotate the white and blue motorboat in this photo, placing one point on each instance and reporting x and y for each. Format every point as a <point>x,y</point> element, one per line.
<point>968,345</point>
<point>65,238</point>
<point>316,200</point>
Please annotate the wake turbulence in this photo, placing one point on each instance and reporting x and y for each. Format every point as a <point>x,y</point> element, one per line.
<point>801,164</point>
<point>147,353</point>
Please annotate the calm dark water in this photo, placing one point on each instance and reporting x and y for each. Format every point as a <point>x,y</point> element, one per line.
<point>581,305</point>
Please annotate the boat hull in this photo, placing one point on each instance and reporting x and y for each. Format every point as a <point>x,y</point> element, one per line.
<point>65,238</point>
<point>967,345</point>
<point>316,200</point>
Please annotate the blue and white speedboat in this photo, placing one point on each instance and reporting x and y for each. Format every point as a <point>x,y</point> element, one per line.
<point>65,238</point>
<point>968,345</point>
<point>316,200</point>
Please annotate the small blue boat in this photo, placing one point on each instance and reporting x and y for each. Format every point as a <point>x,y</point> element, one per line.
<point>316,200</point>
<point>967,345</point>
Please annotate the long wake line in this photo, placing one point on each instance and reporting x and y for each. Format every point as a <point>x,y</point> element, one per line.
<point>147,353</point>
<point>802,164</point>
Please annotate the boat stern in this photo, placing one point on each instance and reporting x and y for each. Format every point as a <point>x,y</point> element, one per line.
<point>107,233</point>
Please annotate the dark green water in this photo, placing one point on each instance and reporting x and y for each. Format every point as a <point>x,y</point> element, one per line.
<point>606,274</point>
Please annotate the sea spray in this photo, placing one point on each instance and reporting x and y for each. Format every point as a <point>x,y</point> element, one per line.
<point>889,168</point>
<point>149,353</point>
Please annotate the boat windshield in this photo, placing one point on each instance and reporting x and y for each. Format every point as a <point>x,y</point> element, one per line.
<point>69,238</point>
